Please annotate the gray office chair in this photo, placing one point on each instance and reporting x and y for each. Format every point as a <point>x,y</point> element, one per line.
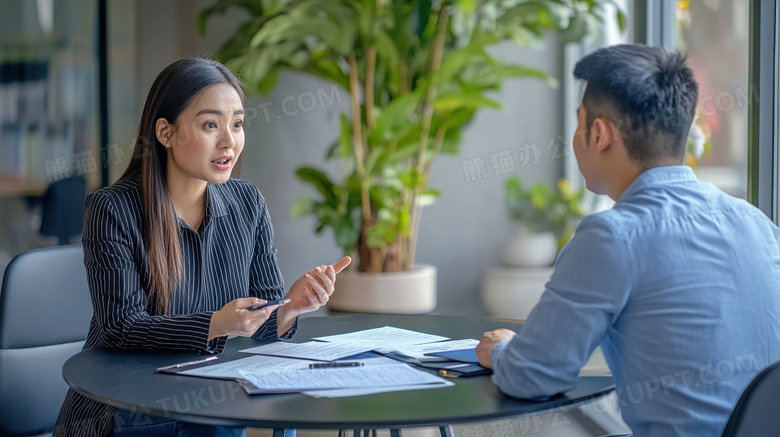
<point>45,309</point>
<point>756,411</point>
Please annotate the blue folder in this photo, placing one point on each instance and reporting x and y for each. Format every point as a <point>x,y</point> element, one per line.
<point>464,355</point>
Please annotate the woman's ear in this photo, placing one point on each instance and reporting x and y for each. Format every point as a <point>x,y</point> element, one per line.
<point>164,131</point>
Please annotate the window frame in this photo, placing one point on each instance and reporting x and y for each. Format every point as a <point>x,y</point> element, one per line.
<point>762,121</point>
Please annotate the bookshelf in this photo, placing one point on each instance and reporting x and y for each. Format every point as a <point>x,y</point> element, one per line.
<point>49,109</point>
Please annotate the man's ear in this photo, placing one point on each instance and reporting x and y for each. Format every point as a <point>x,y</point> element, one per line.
<point>601,134</point>
<point>164,131</point>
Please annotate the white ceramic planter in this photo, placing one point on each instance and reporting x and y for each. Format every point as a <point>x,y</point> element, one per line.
<point>512,293</point>
<point>527,249</point>
<point>412,292</point>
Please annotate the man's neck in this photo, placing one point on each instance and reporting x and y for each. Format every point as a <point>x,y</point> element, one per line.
<point>623,179</point>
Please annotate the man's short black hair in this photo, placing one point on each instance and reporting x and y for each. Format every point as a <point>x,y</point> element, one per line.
<point>649,94</point>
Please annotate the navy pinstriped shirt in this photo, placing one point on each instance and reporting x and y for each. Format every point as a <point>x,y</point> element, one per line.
<point>231,256</point>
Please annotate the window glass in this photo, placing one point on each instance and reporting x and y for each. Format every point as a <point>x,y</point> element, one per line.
<point>714,34</point>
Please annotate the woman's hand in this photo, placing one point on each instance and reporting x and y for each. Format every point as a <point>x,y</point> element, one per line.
<point>235,318</point>
<point>310,292</point>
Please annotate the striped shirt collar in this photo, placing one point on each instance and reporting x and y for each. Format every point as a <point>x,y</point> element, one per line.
<point>216,206</point>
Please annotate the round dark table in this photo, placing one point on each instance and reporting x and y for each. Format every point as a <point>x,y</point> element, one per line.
<point>128,379</point>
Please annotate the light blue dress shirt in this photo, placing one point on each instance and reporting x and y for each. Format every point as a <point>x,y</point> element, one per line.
<point>680,285</point>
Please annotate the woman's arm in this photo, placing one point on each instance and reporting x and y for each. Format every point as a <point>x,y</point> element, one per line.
<point>118,297</point>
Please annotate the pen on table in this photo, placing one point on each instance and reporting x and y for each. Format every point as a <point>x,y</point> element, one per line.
<point>335,364</point>
<point>279,302</point>
<point>188,363</point>
<point>447,374</point>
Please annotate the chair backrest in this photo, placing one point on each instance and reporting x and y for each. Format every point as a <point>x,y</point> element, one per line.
<point>45,309</point>
<point>756,412</point>
<point>62,209</point>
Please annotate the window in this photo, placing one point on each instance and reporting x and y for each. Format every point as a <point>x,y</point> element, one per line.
<point>715,36</point>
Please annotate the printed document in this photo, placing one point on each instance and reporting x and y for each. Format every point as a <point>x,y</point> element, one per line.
<point>312,350</point>
<point>386,337</point>
<point>336,378</point>
<point>254,364</point>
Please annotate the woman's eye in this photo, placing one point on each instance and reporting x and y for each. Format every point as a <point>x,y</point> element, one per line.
<point>210,125</point>
<point>238,124</point>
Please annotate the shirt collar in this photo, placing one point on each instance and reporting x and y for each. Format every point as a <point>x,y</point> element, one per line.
<point>658,176</point>
<point>216,206</point>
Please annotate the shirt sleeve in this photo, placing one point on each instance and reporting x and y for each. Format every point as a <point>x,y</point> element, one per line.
<point>587,291</point>
<point>118,298</point>
<point>265,277</point>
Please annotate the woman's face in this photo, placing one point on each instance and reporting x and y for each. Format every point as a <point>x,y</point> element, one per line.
<point>208,137</point>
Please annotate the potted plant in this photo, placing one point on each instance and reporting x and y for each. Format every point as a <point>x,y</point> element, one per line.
<point>546,220</point>
<point>416,71</point>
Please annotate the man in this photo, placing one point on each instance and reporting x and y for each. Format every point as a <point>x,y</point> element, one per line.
<point>679,283</point>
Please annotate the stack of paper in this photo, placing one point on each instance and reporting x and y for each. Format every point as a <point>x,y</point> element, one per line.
<point>373,377</point>
<point>312,350</point>
<point>283,367</point>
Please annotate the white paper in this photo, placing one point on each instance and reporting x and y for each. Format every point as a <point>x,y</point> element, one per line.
<point>260,364</point>
<point>386,337</point>
<point>418,351</point>
<point>256,364</point>
<point>339,378</point>
<point>347,392</point>
<point>312,350</point>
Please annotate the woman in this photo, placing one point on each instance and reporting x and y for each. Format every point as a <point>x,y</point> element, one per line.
<point>176,251</point>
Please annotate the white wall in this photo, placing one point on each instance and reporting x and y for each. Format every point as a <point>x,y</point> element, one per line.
<point>460,234</point>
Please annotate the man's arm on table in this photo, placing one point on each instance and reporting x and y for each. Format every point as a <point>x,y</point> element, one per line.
<point>587,292</point>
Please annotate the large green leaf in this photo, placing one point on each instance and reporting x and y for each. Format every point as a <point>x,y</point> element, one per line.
<point>302,206</point>
<point>427,197</point>
<point>324,65</point>
<point>453,121</point>
<point>451,102</point>
<point>388,58</point>
<point>343,147</point>
<point>374,157</point>
<point>394,114</point>
<point>403,151</point>
<point>346,233</point>
<point>252,7</point>
<point>256,64</point>
<point>321,182</point>
<point>267,83</point>
<point>412,178</point>
<point>343,13</point>
<point>454,63</point>
<point>297,28</point>
<point>452,139</point>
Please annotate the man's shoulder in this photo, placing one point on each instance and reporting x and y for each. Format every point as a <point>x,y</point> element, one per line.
<point>611,221</point>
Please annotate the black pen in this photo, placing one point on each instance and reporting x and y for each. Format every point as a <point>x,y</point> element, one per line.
<point>279,302</point>
<point>335,364</point>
